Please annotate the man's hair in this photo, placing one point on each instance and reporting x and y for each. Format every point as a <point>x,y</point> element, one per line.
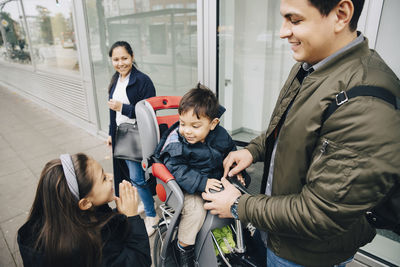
<point>326,6</point>
<point>202,100</point>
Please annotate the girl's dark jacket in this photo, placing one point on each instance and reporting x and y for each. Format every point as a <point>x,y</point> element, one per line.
<point>125,243</point>
<point>139,87</point>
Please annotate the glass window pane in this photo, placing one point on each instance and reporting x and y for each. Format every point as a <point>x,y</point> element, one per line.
<point>163,36</point>
<point>14,45</point>
<point>51,30</point>
<point>253,64</point>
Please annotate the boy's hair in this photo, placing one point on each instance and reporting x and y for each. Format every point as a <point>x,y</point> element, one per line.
<point>326,6</point>
<point>202,100</point>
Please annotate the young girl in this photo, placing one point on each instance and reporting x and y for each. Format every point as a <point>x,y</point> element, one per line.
<point>70,223</point>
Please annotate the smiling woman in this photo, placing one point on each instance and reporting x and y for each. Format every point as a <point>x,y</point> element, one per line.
<point>127,87</point>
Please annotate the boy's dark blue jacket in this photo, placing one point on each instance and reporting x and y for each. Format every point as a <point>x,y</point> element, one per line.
<point>193,164</point>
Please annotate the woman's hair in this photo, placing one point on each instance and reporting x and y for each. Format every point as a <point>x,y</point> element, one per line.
<point>128,49</point>
<point>124,44</point>
<point>63,230</point>
<point>202,100</point>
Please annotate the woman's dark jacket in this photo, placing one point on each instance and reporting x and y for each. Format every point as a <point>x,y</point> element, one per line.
<point>125,243</point>
<point>139,87</point>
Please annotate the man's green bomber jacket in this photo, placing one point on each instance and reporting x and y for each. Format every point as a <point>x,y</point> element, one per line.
<point>326,178</point>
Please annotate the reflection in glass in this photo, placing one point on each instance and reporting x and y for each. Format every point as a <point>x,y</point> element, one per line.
<point>14,45</point>
<point>253,64</point>
<point>51,30</point>
<point>163,36</point>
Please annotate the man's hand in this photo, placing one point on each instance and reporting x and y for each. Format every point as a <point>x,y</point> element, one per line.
<point>221,202</point>
<point>128,200</point>
<point>109,141</point>
<point>240,159</point>
<point>114,105</point>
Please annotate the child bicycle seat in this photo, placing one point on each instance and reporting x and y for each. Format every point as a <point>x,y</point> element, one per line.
<point>168,191</point>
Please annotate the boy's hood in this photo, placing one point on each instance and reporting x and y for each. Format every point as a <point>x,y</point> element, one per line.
<point>221,111</point>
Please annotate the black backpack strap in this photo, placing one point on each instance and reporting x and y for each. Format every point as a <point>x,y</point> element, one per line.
<point>362,90</point>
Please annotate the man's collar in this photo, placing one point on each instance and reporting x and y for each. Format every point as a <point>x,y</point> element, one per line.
<point>358,40</point>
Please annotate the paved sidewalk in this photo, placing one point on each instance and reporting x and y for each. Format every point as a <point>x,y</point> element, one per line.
<point>30,136</point>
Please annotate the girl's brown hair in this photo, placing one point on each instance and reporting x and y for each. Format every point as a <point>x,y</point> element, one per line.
<point>65,233</point>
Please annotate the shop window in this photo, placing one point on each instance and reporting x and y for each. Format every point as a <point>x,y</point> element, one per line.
<point>253,64</point>
<point>14,46</point>
<point>163,36</point>
<point>51,29</point>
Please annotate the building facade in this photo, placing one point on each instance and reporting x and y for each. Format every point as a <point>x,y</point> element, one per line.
<point>55,52</point>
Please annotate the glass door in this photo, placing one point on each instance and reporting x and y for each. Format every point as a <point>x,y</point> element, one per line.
<point>253,63</point>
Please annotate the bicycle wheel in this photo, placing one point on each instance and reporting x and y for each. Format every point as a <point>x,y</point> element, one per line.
<point>158,241</point>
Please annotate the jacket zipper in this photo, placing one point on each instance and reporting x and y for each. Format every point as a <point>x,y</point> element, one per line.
<point>323,149</point>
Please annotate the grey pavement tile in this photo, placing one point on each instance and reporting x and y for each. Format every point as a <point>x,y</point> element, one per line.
<point>5,254</point>
<point>34,151</point>
<point>99,152</point>
<point>17,178</point>
<point>48,123</point>
<point>17,259</point>
<point>3,142</point>
<point>82,144</point>
<point>107,165</point>
<point>37,163</point>
<point>11,165</point>
<point>7,153</point>
<point>61,129</point>
<point>69,136</point>
<point>8,116</point>
<point>103,155</point>
<point>24,139</point>
<point>10,229</point>
<point>13,127</point>
<point>17,194</point>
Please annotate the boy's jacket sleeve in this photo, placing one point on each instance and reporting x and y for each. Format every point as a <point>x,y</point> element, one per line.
<point>189,179</point>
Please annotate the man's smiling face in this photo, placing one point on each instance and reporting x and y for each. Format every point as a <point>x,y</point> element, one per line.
<point>310,34</point>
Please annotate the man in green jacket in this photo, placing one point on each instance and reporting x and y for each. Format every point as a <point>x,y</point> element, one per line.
<point>320,177</point>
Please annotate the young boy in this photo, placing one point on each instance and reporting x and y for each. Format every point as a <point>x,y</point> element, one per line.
<point>193,150</point>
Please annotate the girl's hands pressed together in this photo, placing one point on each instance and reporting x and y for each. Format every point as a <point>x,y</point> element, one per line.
<point>127,202</point>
